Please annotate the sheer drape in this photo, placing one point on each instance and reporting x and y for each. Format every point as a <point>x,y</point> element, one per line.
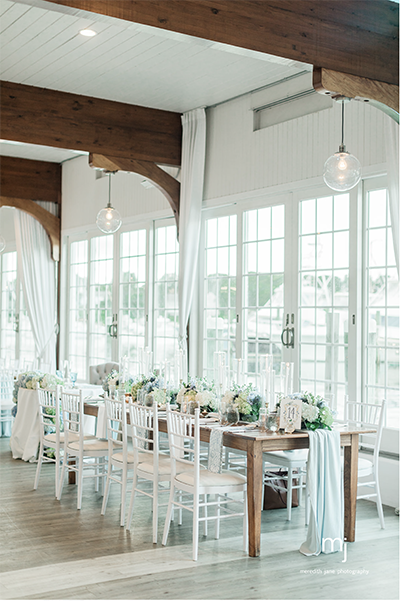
<point>38,278</point>
<point>392,159</point>
<point>192,181</point>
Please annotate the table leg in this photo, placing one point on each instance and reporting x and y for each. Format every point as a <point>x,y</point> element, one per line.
<point>71,473</point>
<point>254,494</point>
<point>350,488</point>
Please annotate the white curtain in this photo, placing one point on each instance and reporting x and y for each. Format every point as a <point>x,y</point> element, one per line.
<point>392,159</point>
<point>38,277</point>
<point>192,181</point>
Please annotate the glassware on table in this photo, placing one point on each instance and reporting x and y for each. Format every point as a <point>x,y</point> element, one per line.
<point>73,377</point>
<point>111,391</point>
<point>272,422</point>
<point>232,414</point>
<point>191,406</point>
<point>222,413</point>
<point>262,419</point>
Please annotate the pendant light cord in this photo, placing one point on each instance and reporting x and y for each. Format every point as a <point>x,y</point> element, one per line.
<point>342,122</point>
<point>109,189</point>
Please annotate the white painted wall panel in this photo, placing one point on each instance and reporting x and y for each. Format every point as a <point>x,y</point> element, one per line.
<point>83,195</point>
<point>240,160</point>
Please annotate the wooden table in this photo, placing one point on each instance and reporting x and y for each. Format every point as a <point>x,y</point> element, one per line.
<point>254,443</point>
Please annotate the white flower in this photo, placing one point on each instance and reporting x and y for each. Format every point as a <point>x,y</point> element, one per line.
<point>204,398</point>
<point>181,394</point>
<point>309,413</point>
<point>159,396</point>
<point>228,397</point>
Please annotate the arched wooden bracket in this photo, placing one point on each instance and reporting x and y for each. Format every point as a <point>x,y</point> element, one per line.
<point>164,182</point>
<point>382,95</point>
<point>51,223</point>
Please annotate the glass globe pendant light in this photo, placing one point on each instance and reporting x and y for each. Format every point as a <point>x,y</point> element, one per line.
<point>342,171</point>
<point>109,220</point>
<point>2,244</point>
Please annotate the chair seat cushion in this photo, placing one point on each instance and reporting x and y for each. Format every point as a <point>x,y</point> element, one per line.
<point>365,466</point>
<point>93,444</point>
<point>164,465</point>
<point>295,458</point>
<point>52,437</point>
<point>207,478</point>
<point>120,457</point>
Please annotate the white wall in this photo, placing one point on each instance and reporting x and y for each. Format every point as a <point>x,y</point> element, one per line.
<point>7,225</point>
<point>84,194</point>
<point>241,160</point>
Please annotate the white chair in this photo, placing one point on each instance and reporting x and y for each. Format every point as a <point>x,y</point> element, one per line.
<point>119,460</point>
<point>292,461</point>
<point>368,416</point>
<point>6,396</point>
<point>50,435</point>
<point>79,446</point>
<point>150,464</point>
<point>184,440</point>
<point>98,373</point>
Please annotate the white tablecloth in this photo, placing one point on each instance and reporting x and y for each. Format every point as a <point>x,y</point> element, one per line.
<point>25,436</point>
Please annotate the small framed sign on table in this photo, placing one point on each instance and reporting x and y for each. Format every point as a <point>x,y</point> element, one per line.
<point>290,415</point>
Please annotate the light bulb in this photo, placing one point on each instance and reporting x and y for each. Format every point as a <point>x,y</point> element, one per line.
<point>108,220</point>
<point>342,171</point>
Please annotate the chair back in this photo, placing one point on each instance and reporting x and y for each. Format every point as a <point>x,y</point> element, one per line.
<point>367,415</point>
<point>72,410</point>
<point>145,439</point>
<point>6,388</point>
<point>117,426</point>
<point>184,440</point>
<point>98,373</point>
<point>49,412</point>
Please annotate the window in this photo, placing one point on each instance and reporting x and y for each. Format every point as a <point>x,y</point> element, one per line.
<point>16,338</point>
<point>381,294</point>
<point>324,295</point>
<point>132,293</point>
<point>220,290</point>
<point>263,285</point>
<point>109,283</point>
<point>78,281</point>
<point>166,273</point>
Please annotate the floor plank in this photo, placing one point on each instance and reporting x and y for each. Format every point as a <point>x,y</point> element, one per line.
<point>90,557</point>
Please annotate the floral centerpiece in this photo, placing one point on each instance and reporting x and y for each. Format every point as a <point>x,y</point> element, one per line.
<point>315,411</point>
<point>113,379</point>
<point>149,385</point>
<point>199,391</point>
<point>246,399</point>
<point>29,380</point>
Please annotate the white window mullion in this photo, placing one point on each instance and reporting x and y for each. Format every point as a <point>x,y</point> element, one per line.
<point>239,287</point>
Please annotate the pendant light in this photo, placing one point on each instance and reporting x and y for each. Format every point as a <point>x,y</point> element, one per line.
<point>342,171</point>
<point>109,220</point>
<point>2,244</point>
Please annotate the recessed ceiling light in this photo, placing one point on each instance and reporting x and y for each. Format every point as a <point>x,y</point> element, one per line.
<point>89,33</point>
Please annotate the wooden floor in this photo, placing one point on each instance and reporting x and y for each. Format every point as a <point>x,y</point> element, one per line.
<point>49,550</point>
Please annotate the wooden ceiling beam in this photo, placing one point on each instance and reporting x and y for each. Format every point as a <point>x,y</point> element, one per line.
<point>50,222</point>
<point>164,182</point>
<point>62,120</point>
<point>31,180</point>
<point>358,37</point>
<point>334,84</point>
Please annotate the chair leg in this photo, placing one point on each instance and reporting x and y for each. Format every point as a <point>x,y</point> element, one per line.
<point>169,512</point>
<point>289,494</point>
<point>195,526</point>
<point>379,502</point>
<point>61,483</point>
<point>300,490</point>
<point>57,476</point>
<point>39,466</point>
<point>205,515</point>
<point>155,510</point>
<point>124,478</point>
<point>80,482</point>
<point>217,521</point>
<point>107,489</point>
<point>180,510</point>
<point>97,470</point>
<point>130,510</point>
<point>245,522</point>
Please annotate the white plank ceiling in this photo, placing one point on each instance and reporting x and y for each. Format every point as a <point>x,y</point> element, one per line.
<point>126,62</point>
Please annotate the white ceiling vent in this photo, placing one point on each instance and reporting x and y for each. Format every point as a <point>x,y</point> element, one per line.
<point>289,99</point>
